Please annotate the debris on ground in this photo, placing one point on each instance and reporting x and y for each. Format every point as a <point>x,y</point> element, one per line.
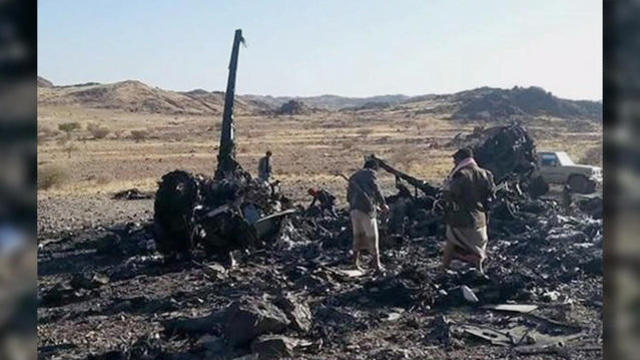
<point>269,347</point>
<point>229,268</point>
<point>253,317</point>
<point>132,194</point>
<point>292,294</point>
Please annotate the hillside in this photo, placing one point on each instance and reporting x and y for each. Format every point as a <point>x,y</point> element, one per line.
<point>135,96</point>
<point>329,102</point>
<point>481,104</point>
<point>504,104</point>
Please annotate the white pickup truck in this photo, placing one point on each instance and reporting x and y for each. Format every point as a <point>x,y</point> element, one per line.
<point>556,167</point>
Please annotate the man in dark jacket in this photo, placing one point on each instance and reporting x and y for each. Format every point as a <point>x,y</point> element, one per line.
<point>467,191</point>
<point>264,167</point>
<point>364,195</point>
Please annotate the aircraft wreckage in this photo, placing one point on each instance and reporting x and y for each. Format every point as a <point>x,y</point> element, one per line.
<point>233,210</point>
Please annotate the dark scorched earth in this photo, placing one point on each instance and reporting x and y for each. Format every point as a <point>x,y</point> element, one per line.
<point>108,293</point>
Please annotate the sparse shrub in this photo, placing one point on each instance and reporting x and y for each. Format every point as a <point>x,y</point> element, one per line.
<point>69,127</point>
<point>139,135</point>
<point>50,176</point>
<point>100,133</point>
<point>97,131</point>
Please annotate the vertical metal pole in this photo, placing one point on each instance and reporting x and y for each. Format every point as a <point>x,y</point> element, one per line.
<point>227,151</point>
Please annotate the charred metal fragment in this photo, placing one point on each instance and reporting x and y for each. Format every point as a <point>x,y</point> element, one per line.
<point>178,193</point>
<point>227,212</point>
<point>227,153</point>
<point>423,186</point>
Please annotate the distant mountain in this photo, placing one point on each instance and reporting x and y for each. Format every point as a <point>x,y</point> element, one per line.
<point>135,96</point>
<point>481,104</point>
<point>329,102</point>
<point>493,103</point>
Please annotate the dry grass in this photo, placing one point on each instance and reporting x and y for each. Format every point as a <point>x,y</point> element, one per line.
<point>139,135</point>
<point>50,176</point>
<point>576,144</point>
<point>307,150</point>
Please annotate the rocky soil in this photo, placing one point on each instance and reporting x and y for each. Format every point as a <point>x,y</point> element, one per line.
<point>105,293</point>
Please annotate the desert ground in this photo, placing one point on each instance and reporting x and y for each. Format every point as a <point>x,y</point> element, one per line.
<point>308,150</point>
<point>84,173</point>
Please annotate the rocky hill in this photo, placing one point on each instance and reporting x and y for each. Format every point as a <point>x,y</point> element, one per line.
<point>135,96</point>
<point>504,104</point>
<point>293,107</point>
<point>481,104</point>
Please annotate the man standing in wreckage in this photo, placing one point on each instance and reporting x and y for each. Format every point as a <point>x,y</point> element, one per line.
<point>364,195</point>
<point>264,167</point>
<point>466,191</point>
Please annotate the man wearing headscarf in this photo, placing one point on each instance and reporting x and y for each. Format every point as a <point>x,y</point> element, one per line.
<point>364,196</point>
<point>467,190</point>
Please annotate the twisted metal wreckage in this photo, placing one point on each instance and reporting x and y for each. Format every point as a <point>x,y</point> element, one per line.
<point>229,211</point>
<point>292,298</point>
<point>234,211</point>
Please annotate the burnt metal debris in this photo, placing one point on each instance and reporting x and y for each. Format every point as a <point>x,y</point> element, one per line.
<point>218,216</point>
<point>228,212</point>
<point>227,154</point>
<point>132,194</point>
<point>292,296</point>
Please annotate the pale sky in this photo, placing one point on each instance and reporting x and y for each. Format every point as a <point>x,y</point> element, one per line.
<point>341,47</point>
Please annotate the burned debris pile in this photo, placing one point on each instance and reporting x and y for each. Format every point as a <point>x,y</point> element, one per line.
<point>508,152</point>
<point>291,293</point>
<point>515,170</point>
<point>132,194</point>
<point>218,216</point>
<point>230,211</point>
<point>299,297</point>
